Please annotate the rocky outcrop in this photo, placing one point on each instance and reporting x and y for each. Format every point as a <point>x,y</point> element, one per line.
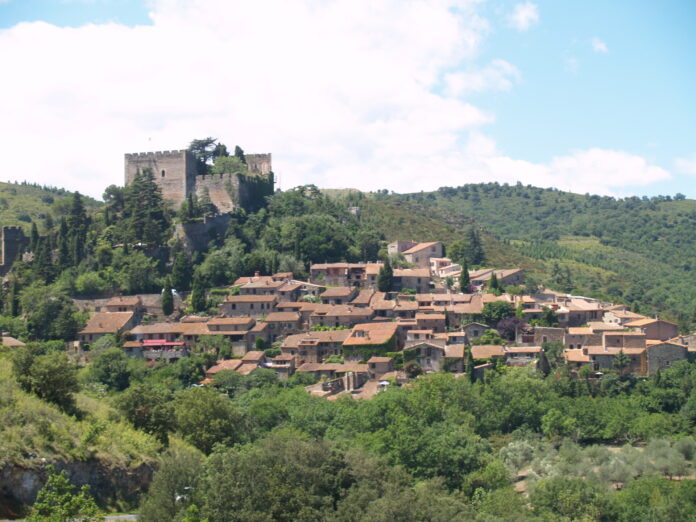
<point>110,486</point>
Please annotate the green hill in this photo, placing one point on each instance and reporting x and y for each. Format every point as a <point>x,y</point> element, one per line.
<point>639,251</point>
<point>22,203</point>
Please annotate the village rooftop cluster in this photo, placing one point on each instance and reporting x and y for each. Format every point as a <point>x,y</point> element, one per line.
<point>357,340</point>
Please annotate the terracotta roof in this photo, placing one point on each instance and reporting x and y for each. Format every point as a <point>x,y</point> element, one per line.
<point>352,367</point>
<point>322,336</point>
<point>250,298</point>
<point>580,330</point>
<point>247,368</point>
<point>412,272</point>
<point>338,291</point>
<point>523,349</point>
<point>576,355</point>
<point>264,284</point>
<point>644,322</point>
<point>371,334</point>
<point>227,364</point>
<point>316,367</point>
<point>255,355</point>
<point>231,320</point>
<point>284,357</point>
<point>430,317</point>
<point>455,351</point>
<point>251,279</point>
<point>363,297</point>
<point>327,310</point>
<point>124,300</point>
<point>106,322</point>
<point>419,247</point>
<point>486,351</point>
<point>290,305</point>
<point>282,317</point>
<point>11,341</point>
<point>376,359</point>
<point>132,344</point>
<point>373,268</point>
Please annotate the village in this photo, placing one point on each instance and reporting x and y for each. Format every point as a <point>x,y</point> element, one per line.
<point>355,340</point>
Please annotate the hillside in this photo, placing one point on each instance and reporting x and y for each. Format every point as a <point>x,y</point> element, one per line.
<point>634,250</point>
<point>22,203</point>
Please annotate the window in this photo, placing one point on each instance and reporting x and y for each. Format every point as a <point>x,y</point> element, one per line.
<point>163,173</point>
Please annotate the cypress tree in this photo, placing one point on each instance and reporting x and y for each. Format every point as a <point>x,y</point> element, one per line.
<point>198,301</point>
<point>181,271</point>
<point>167,298</point>
<point>12,301</point>
<point>469,365</point>
<point>34,238</point>
<point>63,245</point>
<point>464,279</point>
<point>474,249</point>
<point>385,279</point>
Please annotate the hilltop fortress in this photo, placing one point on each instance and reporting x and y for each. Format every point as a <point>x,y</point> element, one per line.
<point>176,174</point>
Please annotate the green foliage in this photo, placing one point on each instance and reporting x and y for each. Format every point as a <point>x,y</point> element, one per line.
<point>148,408</point>
<point>167,298</point>
<point>59,500</point>
<point>110,368</point>
<point>204,418</point>
<point>385,278</point>
<point>49,313</point>
<point>51,376</point>
<point>496,311</point>
<point>489,337</point>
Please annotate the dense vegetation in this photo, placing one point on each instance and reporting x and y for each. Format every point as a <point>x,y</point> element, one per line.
<point>634,250</point>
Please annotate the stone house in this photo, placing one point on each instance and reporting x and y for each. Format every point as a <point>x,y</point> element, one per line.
<point>128,303</point>
<point>427,355</point>
<point>339,295</point>
<point>283,323</point>
<point>474,330</point>
<point>314,347</point>
<point>655,329</point>
<point>378,366</point>
<point>339,315</point>
<point>663,354</point>
<point>435,322</point>
<point>103,323</point>
<point>420,254</point>
<point>368,339</point>
<point>248,305</point>
<point>417,279</point>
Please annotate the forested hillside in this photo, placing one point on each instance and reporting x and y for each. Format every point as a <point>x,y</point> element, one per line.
<point>24,203</point>
<point>639,251</point>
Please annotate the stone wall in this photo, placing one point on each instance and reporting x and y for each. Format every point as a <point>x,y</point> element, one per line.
<point>13,243</point>
<point>196,236</point>
<point>174,172</point>
<point>259,163</point>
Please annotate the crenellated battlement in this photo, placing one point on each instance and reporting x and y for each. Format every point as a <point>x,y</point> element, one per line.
<point>175,172</point>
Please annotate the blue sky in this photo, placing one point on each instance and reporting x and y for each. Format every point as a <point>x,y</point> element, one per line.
<point>584,95</point>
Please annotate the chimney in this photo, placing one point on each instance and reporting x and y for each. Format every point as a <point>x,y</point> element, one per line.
<point>257,273</point>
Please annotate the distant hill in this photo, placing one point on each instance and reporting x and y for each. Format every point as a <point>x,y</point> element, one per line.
<point>22,203</point>
<point>640,251</point>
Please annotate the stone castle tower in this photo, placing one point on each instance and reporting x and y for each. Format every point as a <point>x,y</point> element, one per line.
<point>175,173</point>
<point>13,242</point>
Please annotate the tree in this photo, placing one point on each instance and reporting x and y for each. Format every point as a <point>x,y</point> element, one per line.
<point>205,418</point>
<point>34,237</point>
<point>474,250</point>
<point>59,501</point>
<point>464,279</point>
<point>385,278</point>
<point>203,150</point>
<point>621,361</point>
<point>494,285</point>
<point>50,376</point>
<point>50,314</point>
<point>148,408</point>
<point>509,326</point>
<point>496,311</point>
<point>549,317</point>
<point>469,364</point>
<point>239,154</point>
<point>198,299</point>
<point>167,298</point>
<point>110,368</point>
<point>181,272</point>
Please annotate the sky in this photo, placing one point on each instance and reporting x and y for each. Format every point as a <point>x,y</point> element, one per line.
<point>406,95</point>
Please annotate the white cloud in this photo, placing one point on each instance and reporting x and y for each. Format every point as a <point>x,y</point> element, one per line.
<point>599,46</point>
<point>343,93</point>
<point>686,165</point>
<point>498,75</point>
<point>524,16</point>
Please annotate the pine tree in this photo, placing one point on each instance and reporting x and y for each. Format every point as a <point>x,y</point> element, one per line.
<point>77,228</point>
<point>167,298</point>
<point>63,245</point>
<point>198,301</point>
<point>385,279</point>
<point>464,279</point>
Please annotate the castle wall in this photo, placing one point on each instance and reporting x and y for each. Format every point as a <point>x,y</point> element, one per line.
<point>222,188</point>
<point>174,172</point>
<point>13,243</point>
<point>259,163</point>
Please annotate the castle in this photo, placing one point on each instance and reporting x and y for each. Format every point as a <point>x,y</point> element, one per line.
<point>176,174</point>
<point>13,243</point>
